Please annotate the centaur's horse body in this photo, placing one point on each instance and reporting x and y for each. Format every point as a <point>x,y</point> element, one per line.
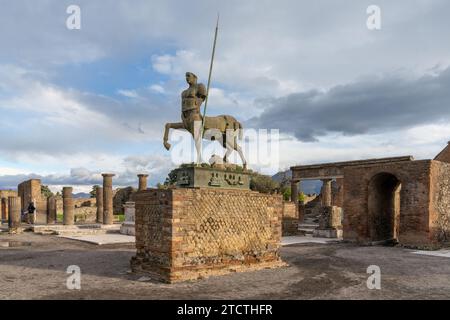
<point>224,128</point>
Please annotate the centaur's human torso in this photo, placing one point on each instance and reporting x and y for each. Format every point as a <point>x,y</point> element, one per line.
<point>191,100</point>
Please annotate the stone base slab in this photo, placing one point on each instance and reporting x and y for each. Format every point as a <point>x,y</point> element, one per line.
<point>328,233</point>
<point>204,177</point>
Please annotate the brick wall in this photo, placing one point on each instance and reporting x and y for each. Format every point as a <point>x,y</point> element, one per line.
<point>184,234</point>
<point>440,201</point>
<point>414,200</point>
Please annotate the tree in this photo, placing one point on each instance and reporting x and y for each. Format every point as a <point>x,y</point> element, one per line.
<point>93,193</point>
<point>263,184</point>
<point>46,192</point>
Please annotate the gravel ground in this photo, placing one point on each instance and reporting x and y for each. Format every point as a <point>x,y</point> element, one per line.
<point>37,270</point>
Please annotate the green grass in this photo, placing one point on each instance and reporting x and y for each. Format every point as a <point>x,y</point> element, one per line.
<point>120,217</point>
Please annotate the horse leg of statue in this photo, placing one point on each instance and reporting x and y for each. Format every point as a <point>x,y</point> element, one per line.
<point>176,125</point>
<point>228,152</point>
<point>241,154</point>
<point>197,134</point>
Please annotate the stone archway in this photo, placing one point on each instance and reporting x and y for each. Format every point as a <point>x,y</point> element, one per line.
<point>384,207</point>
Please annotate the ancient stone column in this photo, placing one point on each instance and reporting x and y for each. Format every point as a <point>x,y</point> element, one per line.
<point>108,214</point>
<point>68,207</point>
<point>142,182</point>
<point>14,208</point>
<point>99,197</point>
<point>326,193</point>
<point>294,191</point>
<point>51,210</point>
<point>4,208</point>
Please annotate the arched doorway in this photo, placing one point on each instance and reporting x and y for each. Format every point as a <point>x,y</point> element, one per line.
<point>384,207</point>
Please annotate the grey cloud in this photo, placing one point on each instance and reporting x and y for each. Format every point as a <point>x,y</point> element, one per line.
<point>367,106</point>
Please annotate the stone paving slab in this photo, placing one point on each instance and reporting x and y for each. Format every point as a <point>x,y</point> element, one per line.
<point>285,241</point>
<point>101,239</point>
<point>438,253</point>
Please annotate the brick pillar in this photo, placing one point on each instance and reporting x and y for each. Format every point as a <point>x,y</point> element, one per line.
<point>99,197</point>
<point>68,207</point>
<point>14,208</point>
<point>51,210</point>
<point>326,192</point>
<point>108,214</point>
<point>142,182</point>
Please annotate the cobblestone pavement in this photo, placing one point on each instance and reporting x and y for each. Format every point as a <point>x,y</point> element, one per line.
<point>34,267</point>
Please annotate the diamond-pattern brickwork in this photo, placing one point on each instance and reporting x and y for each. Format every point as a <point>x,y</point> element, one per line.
<point>186,233</point>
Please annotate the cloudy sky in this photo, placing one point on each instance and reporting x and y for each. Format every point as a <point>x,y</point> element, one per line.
<point>75,103</point>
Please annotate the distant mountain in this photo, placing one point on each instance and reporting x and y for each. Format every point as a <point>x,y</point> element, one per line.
<point>307,186</point>
<point>81,195</point>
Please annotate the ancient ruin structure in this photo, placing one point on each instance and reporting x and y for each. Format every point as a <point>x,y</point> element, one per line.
<point>397,199</point>
<point>68,207</point>
<point>51,210</point>
<point>99,199</point>
<point>290,220</point>
<point>4,194</point>
<point>30,191</point>
<point>128,226</point>
<point>14,205</point>
<point>108,214</point>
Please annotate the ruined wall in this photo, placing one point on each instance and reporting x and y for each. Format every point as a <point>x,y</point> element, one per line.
<point>31,190</point>
<point>414,200</point>
<point>440,201</point>
<point>183,234</point>
<point>121,196</point>
<point>290,219</point>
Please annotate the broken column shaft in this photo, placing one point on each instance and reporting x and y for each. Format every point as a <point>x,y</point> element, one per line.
<point>99,197</point>
<point>142,182</point>
<point>51,210</point>
<point>108,214</point>
<point>14,206</point>
<point>68,207</point>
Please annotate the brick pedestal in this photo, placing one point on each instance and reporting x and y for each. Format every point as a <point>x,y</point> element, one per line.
<point>184,234</point>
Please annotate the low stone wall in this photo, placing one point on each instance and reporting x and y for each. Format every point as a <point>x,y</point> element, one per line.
<point>184,234</point>
<point>290,219</point>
